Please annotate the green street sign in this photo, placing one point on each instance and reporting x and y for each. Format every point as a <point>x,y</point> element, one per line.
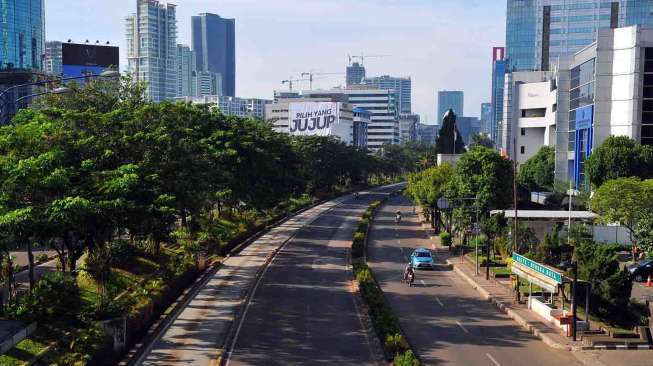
<point>537,267</point>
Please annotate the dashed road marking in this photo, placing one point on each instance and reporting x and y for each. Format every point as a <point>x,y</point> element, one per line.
<point>438,301</point>
<point>422,282</point>
<point>461,327</point>
<point>492,359</point>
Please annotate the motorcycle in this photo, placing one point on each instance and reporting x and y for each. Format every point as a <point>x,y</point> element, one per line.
<point>410,279</point>
<point>398,218</point>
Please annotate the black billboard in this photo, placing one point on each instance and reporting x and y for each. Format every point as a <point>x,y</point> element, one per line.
<point>84,59</point>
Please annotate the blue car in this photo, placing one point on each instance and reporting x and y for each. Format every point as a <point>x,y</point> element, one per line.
<point>421,259</point>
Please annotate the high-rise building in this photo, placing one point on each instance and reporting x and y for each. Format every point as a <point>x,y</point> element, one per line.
<point>538,31</point>
<point>401,86</point>
<point>381,103</point>
<point>230,106</point>
<point>486,118</point>
<point>448,99</point>
<point>428,134</point>
<point>408,127</point>
<point>355,74</point>
<point>185,71</point>
<point>53,63</point>
<point>498,83</point>
<point>206,83</point>
<point>152,48</point>
<point>22,34</point>
<point>468,126</point>
<point>214,43</point>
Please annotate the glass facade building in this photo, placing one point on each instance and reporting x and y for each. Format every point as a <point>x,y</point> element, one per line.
<point>152,48</point>
<point>538,31</point>
<point>401,86</point>
<point>22,31</point>
<point>448,99</point>
<point>214,43</point>
<point>498,84</point>
<point>355,74</point>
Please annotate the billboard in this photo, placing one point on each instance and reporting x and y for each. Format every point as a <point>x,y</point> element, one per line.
<point>88,59</point>
<point>313,118</point>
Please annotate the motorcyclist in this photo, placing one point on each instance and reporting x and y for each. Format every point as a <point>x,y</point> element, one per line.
<point>398,217</point>
<point>355,195</point>
<point>409,271</point>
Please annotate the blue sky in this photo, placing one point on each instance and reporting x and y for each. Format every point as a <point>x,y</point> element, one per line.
<point>441,44</point>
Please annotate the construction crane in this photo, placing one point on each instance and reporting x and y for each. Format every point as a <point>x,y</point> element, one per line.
<point>312,74</point>
<point>363,57</point>
<point>290,82</point>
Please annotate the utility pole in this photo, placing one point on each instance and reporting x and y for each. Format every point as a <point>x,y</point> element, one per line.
<point>514,192</point>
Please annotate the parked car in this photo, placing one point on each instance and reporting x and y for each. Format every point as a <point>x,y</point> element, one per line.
<point>421,259</point>
<point>640,271</point>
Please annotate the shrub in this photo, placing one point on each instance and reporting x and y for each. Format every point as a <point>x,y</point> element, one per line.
<point>55,296</point>
<point>445,239</point>
<point>42,258</point>
<point>502,246</point>
<point>358,245</point>
<point>86,345</point>
<point>406,359</point>
<point>396,344</point>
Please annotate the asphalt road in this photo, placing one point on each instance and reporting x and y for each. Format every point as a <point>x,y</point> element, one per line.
<point>444,318</point>
<point>303,312</point>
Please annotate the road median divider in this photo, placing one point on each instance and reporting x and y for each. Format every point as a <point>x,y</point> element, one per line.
<point>386,325</point>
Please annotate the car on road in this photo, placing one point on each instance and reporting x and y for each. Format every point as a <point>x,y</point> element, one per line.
<point>640,271</point>
<point>421,259</point>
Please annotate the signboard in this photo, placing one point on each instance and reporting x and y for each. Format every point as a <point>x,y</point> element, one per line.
<point>88,59</point>
<point>544,276</point>
<point>313,118</point>
<point>584,117</point>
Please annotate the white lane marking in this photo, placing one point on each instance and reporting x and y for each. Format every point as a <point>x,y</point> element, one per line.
<point>437,299</point>
<point>423,284</point>
<point>492,359</point>
<point>461,327</point>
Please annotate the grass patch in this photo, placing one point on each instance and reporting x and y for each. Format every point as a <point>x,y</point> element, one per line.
<point>501,272</point>
<point>22,352</point>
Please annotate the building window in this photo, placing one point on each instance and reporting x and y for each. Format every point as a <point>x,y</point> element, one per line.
<point>523,149</point>
<point>523,132</point>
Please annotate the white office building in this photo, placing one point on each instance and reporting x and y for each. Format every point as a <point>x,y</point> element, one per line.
<point>232,106</point>
<point>296,116</point>
<point>381,103</point>
<point>605,89</point>
<point>530,123</point>
<point>152,48</point>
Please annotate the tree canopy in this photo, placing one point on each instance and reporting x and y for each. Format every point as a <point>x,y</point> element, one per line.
<point>623,200</point>
<point>537,172</point>
<point>617,157</point>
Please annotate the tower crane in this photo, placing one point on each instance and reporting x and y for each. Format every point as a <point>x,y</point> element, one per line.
<point>292,80</point>
<point>312,74</point>
<point>363,57</point>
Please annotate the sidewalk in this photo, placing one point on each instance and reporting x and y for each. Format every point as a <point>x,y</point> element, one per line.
<point>504,299</point>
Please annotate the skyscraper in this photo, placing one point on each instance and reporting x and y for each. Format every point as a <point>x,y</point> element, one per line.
<point>185,71</point>
<point>401,86</point>
<point>152,48</point>
<point>448,99</point>
<point>486,118</point>
<point>214,44</point>
<point>498,85</point>
<point>355,74</point>
<point>53,63</point>
<point>538,31</point>
<point>22,34</point>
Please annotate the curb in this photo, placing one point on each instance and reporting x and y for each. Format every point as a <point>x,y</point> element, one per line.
<point>549,341</point>
<point>619,347</point>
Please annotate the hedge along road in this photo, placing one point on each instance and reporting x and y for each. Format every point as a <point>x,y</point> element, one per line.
<point>198,333</point>
<point>303,311</point>
<point>444,318</point>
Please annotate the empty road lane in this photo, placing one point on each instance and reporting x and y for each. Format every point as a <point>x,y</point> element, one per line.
<point>444,318</point>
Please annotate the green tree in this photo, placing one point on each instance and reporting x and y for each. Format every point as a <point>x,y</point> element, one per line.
<point>622,200</point>
<point>445,141</point>
<point>481,139</point>
<point>644,231</point>
<point>618,157</point>
<point>537,172</point>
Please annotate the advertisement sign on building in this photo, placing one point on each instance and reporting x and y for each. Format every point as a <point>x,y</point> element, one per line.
<point>87,59</point>
<point>584,117</point>
<point>313,118</point>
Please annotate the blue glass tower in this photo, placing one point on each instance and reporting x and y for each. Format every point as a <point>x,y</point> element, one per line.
<point>498,85</point>
<point>538,31</point>
<point>448,99</point>
<point>214,43</point>
<point>22,34</point>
